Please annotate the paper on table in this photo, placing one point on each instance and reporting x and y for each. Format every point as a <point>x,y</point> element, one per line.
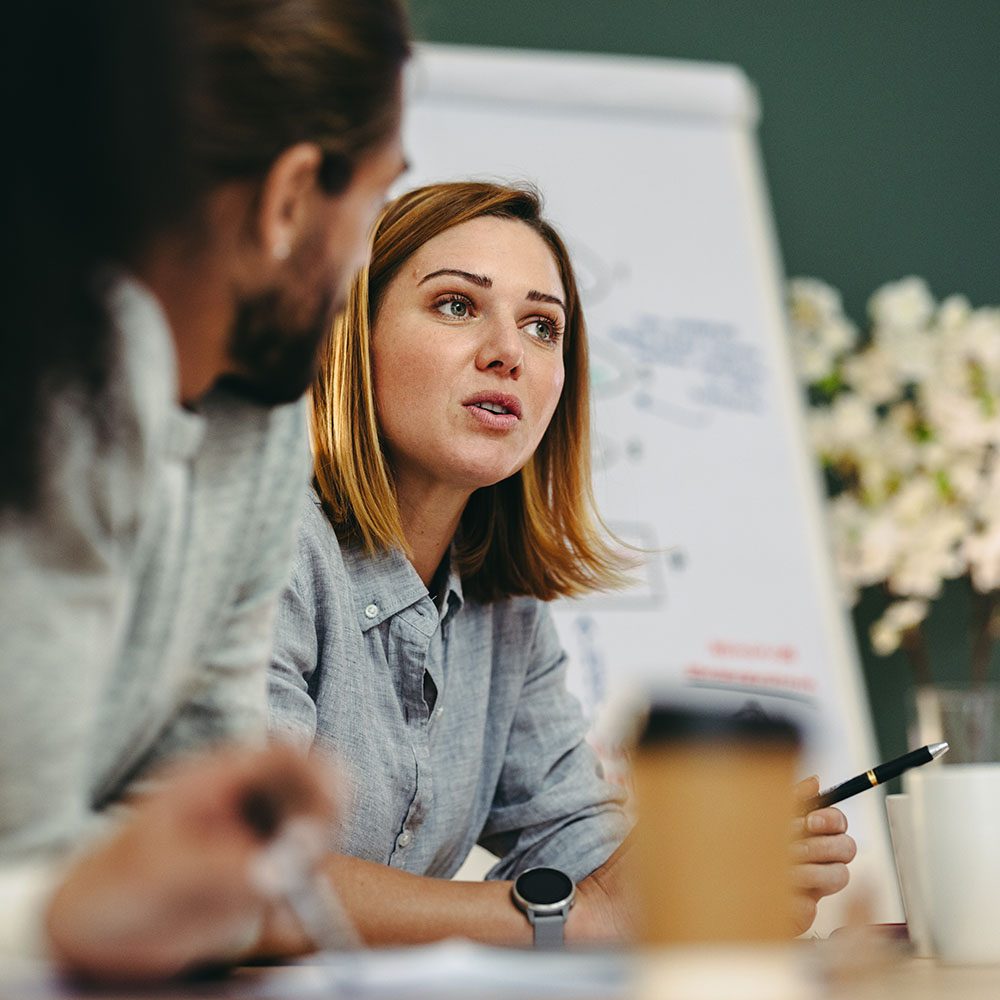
<point>452,968</point>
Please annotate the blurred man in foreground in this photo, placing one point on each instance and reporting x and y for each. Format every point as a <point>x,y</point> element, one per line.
<point>174,280</point>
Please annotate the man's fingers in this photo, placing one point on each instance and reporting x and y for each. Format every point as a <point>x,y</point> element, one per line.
<point>242,797</point>
<point>299,783</point>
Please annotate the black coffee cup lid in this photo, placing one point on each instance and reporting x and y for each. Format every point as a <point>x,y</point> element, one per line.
<point>667,723</point>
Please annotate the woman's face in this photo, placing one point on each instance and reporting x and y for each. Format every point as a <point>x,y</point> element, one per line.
<point>468,358</point>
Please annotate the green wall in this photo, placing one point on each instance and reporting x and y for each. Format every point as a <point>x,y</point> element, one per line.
<point>881,138</point>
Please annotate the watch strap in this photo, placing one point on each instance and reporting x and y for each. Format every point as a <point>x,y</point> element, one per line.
<point>549,929</point>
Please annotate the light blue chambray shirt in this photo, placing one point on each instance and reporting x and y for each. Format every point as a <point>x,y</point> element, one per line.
<point>454,724</point>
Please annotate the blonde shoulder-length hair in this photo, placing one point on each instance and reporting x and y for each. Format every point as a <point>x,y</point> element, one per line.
<point>537,532</point>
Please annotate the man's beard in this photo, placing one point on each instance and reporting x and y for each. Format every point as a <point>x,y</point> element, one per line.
<point>275,360</point>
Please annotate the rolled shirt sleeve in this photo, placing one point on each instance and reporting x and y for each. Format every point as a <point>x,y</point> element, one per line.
<point>450,718</point>
<point>552,806</point>
<point>291,709</point>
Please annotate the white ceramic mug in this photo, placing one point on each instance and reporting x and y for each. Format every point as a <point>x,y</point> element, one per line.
<point>904,847</point>
<point>956,826</point>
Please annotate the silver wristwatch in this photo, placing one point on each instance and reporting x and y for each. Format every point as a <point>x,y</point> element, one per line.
<point>545,896</point>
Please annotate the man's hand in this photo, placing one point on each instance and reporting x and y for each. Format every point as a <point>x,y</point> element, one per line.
<point>174,888</point>
<point>821,851</point>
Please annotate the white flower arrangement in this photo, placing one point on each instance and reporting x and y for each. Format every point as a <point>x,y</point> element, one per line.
<point>907,421</point>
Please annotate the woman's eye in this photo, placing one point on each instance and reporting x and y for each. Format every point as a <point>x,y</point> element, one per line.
<point>454,308</point>
<point>543,329</point>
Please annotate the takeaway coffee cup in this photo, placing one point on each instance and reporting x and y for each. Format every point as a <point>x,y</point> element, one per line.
<point>714,809</point>
<point>956,825</point>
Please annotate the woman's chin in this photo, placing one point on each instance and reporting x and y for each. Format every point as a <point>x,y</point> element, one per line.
<point>482,477</point>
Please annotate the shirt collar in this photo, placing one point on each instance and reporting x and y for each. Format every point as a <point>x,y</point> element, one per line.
<point>142,323</point>
<point>453,596</point>
<point>385,582</point>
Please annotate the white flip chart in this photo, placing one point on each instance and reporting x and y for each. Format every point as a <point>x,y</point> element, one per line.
<point>650,169</point>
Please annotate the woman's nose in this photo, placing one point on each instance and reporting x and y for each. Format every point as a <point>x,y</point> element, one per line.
<point>502,350</point>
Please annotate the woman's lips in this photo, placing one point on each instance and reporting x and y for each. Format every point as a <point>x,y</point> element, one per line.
<point>492,401</point>
<point>495,421</point>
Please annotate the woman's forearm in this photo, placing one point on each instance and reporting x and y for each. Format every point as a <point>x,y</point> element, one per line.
<point>389,906</point>
<point>392,907</point>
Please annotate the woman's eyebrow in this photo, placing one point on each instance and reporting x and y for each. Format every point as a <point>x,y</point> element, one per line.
<point>485,282</point>
<point>534,296</point>
<point>477,279</point>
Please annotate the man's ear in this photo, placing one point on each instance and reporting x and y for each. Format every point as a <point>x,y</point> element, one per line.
<point>285,199</point>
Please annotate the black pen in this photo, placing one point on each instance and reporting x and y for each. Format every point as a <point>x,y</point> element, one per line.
<point>876,776</point>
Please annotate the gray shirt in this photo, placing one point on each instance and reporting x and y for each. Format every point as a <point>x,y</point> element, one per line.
<point>453,720</point>
<point>138,600</point>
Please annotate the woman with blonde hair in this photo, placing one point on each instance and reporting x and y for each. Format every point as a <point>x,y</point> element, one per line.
<point>451,500</point>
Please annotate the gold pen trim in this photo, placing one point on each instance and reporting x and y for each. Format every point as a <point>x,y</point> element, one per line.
<point>872,778</point>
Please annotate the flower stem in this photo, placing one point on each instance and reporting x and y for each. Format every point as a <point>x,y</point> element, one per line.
<point>983,627</point>
<point>915,646</point>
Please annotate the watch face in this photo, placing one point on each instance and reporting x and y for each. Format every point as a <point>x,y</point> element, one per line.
<point>544,886</point>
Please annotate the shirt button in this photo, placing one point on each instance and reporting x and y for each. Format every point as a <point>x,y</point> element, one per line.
<point>371,611</point>
<point>404,838</point>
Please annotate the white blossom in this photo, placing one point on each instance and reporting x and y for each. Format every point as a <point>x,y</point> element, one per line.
<point>898,440</point>
<point>874,376</point>
<point>822,334</point>
<point>912,352</point>
<point>875,475</point>
<point>812,360</point>
<point>944,530</point>
<point>907,614</point>
<point>953,312</point>
<point>929,554</point>
<point>981,334</point>
<point>884,638</point>
<point>813,303</point>
<point>965,478</point>
<point>982,551</point>
<point>819,430</point>
<point>865,543</point>
<point>915,500</point>
<point>958,420</point>
<point>877,550</point>
<point>905,304</point>
<point>986,506</point>
<point>852,420</point>
<point>887,633</point>
<point>919,573</point>
<point>838,335</point>
<point>909,421</point>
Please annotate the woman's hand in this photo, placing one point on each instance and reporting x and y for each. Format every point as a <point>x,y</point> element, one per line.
<point>174,887</point>
<point>603,911</point>
<point>821,851</point>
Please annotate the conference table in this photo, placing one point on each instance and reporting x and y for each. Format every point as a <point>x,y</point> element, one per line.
<point>875,974</point>
<point>887,975</point>
<point>924,979</point>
